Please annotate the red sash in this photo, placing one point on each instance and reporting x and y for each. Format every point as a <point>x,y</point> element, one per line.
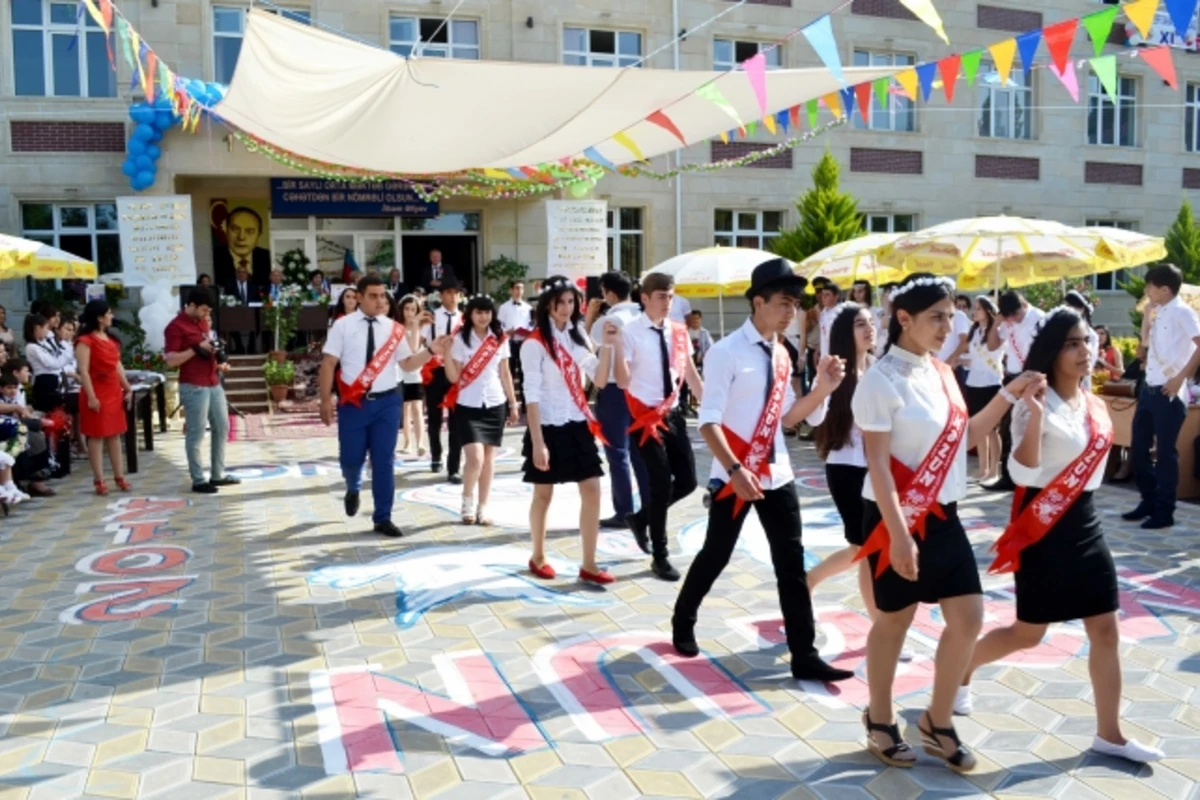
<point>653,421</point>
<point>918,491</point>
<point>754,455</point>
<point>1030,526</point>
<point>435,362</point>
<point>1016,346</point>
<point>353,393</point>
<point>473,369</point>
<point>570,372</point>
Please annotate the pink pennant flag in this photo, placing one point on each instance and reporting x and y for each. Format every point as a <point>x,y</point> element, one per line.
<point>1067,77</point>
<point>755,68</point>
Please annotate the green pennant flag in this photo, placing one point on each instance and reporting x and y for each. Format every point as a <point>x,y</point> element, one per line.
<point>813,113</point>
<point>123,36</point>
<point>881,88</point>
<point>751,127</point>
<point>1105,68</point>
<point>1098,26</point>
<point>970,65</point>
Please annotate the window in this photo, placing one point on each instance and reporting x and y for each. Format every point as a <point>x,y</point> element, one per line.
<point>1111,281</point>
<point>58,52</point>
<point>899,114</point>
<point>1005,112</point>
<point>1111,124</point>
<point>754,229</point>
<point>727,53</point>
<point>625,240</point>
<point>1191,119</point>
<point>88,231</point>
<point>597,48</point>
<point>434,37</point>
<point>889,223</point>
<point>229,25</point>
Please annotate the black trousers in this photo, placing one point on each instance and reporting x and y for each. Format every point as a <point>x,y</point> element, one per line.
<point>434,394</point>
<point>518,374</point>
<point>779,513</point>
<point>1006,434</point>
<point>672,469</point>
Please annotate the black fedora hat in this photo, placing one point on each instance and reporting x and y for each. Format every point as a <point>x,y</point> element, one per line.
<point>774,274</point>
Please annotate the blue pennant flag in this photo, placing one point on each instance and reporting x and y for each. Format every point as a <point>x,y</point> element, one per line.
<point>926,73</point>
<point>1027,45</point>
<point>1182,13</point>
<point>782,119</point>
<point>848,101</point>
<point>594,155</point>
<point>820,36</point>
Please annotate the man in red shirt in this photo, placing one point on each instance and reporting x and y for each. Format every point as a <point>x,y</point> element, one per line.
<point>191,346</point>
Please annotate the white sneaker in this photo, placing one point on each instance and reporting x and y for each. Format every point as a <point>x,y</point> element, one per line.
<point>963,703</point>
<point>1130,751</point>
<point>906,655</point>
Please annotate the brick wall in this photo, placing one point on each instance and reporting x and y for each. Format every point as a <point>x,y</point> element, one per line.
<point>1191,178</point>
<point>890,162</point>
<point>1007,168</point>
<point>721,150</point>
<point>1113,174</point>
<point>67,137</point>
<point>1007,19</point>
<point>888,9</point>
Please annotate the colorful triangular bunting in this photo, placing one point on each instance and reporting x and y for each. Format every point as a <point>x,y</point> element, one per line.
<point>1159,58</point>
<point>948,68</point>
<point>592,154</point>
<point>970,66</point>
<point>813,111</point>
<point>755,68</point>
<point>1027,45</point>
<point>781,118</point>
<point>862,92</point>
<point>711,93</point>
<point>1105,68</point>
<point>848,100</point>
<point>794,114</point>
<point>881,91</point>
<point>663,121</point>
<point>924,11</point>
<point>833,103</point>
<point>925,73</point>
<point>1182,13</point>
<point>769,121</point>
<point>1100,23</point>
<point>1068,79</point>
<point>1003,53</point>
<point>1059,38</point>
<point>1141,13</point>
<point>820,35</point>
<point>908,82</point>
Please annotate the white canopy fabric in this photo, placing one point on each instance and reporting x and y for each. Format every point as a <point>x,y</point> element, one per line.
<point>331,99</point>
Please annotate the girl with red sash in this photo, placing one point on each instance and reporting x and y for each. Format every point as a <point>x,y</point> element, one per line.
<point>917,433</point>
<point>560,440</point>
<point>1054,544</point>
<point>478,368</point>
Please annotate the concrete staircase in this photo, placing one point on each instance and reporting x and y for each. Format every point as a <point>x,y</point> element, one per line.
<point>245,386</point>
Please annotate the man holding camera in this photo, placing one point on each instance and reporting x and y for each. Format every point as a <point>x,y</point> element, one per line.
<point>191,345</point>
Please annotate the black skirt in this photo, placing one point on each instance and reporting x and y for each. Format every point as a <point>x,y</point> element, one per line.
<point>945,563</point>
<point>414,392</point>
<point>845,483</point>
<point>480,425</point>
<point>978,397</point>
<point>1070,573</point>
<point>574,456</point>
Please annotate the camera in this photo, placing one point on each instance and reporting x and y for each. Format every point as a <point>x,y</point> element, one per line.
<point>219,352</point>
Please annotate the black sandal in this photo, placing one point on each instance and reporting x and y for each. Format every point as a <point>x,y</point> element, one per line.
<point>960,760</point>
<point>888,755</point>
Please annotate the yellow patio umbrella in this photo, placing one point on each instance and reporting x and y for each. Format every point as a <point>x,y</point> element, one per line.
<point>853,260</point>
<point>25,258</point>
<point>714,272</point>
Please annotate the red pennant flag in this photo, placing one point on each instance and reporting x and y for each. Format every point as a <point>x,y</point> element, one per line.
<point>862,95</point>
<point>663,121</point>
<point>1159,58</point>
<point>794,115</point>
<point>948,67</point>
<point>151,71</point>
<point>1058,38</point>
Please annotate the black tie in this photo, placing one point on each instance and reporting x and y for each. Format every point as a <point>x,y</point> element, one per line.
<point>449,319</point>
<point>370,339</point>
<point>770,385</point>
<point>668,384</point>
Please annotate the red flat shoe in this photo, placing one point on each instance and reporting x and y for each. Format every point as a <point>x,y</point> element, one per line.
<point>601,578</point>
<point>123,485</point>
<point>545,571</point>
<point>101,487</point>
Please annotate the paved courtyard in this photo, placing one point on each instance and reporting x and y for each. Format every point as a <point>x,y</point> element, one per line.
<point>259,644</point>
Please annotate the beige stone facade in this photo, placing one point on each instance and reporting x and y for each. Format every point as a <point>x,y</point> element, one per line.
<point>920,176</point>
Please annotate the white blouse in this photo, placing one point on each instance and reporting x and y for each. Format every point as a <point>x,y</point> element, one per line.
<point>414,344</point>
<point>486,390</point>
<point>986,367</point>
<point>1065,433</point>
<point>852,454</point>
<point>903,394</point>
<point>543,383</point>
<point>46,359</point>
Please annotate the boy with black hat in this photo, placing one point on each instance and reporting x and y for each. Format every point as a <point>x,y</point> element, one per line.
<point>446,321</point>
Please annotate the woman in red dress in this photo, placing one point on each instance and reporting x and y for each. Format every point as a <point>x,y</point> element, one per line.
<point>105,391</point>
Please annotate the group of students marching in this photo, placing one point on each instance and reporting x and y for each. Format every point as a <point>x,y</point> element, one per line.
<point>892,425</point>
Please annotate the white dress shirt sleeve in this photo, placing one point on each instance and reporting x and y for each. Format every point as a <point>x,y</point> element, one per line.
<point>532,357</point>
<point>459,351</point>
<point>334,340</point>
<point>718,379</point>
<point>587,360</point>
<point>1189,323</point>
<point>817,417</point>
<point>1021,474</point>
<point>875,402</point>
<point>403,350</point>
<point>40,361</point>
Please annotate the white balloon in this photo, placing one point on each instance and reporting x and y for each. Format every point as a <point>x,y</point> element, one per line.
<point>157,311</point>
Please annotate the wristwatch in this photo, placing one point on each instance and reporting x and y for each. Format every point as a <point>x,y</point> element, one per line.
<point>734,468</point>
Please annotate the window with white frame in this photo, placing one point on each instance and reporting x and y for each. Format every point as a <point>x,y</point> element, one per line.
<point>1112,123</point>
<point>434,37</point>
<point>900,114</point>
<point>1111,281</point>
<point>1005,111</point>
<point>1191,119</point>
<point>601,48</point>
<point>728,53</point>
<point>88,230</point>
<point>59,51</point>
<point>229,27</point>
<point>754,229</point>
<point>625,237</point>
<point>889,223</point>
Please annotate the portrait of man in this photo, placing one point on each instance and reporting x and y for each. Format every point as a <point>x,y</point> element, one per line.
<point>239,230</point>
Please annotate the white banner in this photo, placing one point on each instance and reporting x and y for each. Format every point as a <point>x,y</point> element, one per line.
<point>156,239</point>
<point>1162,31</point>
<point>577,238</point>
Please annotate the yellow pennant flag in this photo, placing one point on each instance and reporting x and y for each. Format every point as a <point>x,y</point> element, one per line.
<point>908,82</point>
<point>1003,53</point>
<point>629,144</point>
<point>724,137</point>
<point>769,121</point>
<point>924,11</point>
<point>96,15</point>
<point>1141,13</point>
<point>833,103</point>
<point>497,174</point>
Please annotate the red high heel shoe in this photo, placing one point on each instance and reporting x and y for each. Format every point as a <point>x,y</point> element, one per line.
<point>601,578</point>
<point>545,571</point>
<point>101,487</point>
<point>123,485</point>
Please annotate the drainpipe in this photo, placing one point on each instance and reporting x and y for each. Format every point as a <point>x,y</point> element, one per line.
<point>678,153</point>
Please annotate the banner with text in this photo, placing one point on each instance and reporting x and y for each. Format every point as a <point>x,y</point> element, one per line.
<point>577,238</point>
<point>156,239</point>
<point>303,197</point>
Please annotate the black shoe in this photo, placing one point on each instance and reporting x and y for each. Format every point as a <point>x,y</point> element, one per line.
<point>387,528</point>
<point>351,503</point>
<point>683,639</point>
<point>1141,512</point>
<point>637,523</point>
<point>614,523</point>
<point>454,480</point>
<point>814,668</point>
<point>228,480</point>
<point>1158,523</point>
<point>436,466</point>
<point>1001,485</point>
<point>663,569</point>
<point>204,488</point>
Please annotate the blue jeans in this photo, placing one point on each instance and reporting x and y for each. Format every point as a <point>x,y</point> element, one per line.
<point>612,411</point>
<point>1158,419</point>
<point>204,405</point>
<point>374,426</point>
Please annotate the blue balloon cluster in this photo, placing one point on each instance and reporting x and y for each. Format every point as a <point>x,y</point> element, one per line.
<point>153,121</point>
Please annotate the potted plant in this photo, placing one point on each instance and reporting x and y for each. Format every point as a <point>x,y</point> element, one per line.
<point>281,316</point>
<point>280,376</point>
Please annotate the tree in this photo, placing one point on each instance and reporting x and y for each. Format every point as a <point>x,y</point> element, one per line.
<point>1183,250</point>
<point>827,215</point>
<point>1051,293</point>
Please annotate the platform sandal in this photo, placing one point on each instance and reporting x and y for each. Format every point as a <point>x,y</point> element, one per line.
<point>960,759</point>
<point>899,754</point>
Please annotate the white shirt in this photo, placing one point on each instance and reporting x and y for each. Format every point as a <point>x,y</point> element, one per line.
<point>960,326</point>
<point>1017,338</point>
<point>543,382</point>
<point>620,315</point>
<point>439,327</point>
<point>1065,433</point>
<point>347,341</point>
<point>984,367</point>
<point>644,355</point>
<point>794,329</point>
<point>45,358</point>
<point>737,370</point>
<point>680,308</point>
<point>853,454</point>
<point>487,389</point>
<point>825,322</point>
<point>515,314</point>
<point>903,394</point>
<point>1172,335</point>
